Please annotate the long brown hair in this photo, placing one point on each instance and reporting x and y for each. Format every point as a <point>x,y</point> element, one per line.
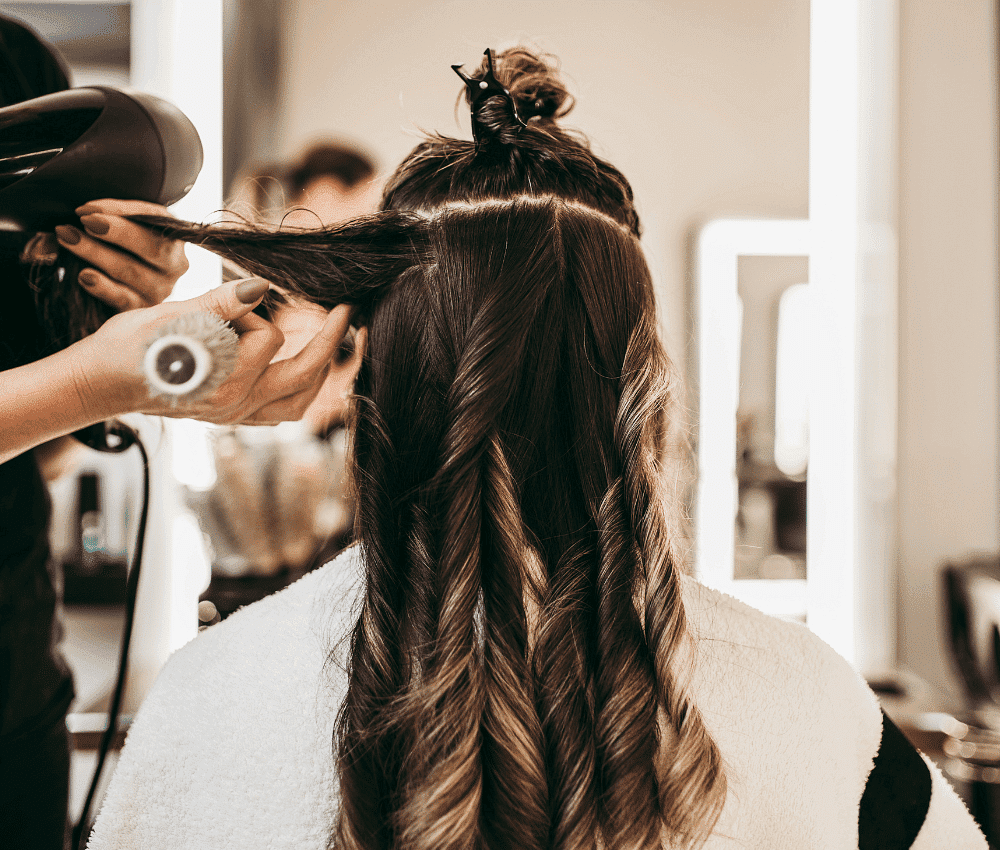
<point>518,671</point>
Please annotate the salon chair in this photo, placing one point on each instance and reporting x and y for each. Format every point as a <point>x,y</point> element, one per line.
<point>972,599</point>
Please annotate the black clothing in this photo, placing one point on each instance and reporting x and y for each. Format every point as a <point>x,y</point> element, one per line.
<point>35,683</point>
<point>897,794</point>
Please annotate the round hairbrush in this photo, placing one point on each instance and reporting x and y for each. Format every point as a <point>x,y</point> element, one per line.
<point>190,357</point>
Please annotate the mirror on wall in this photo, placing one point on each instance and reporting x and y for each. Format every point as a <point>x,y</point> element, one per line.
<point>772,419</point>
<point>753,372</point>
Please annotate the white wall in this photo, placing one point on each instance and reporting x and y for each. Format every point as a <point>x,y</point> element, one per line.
<point>949,323</point>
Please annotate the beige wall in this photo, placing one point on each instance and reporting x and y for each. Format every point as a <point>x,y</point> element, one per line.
<point>704,105</point>
<point>948,322</point>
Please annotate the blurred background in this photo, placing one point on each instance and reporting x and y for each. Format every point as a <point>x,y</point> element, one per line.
<point>818,184</point>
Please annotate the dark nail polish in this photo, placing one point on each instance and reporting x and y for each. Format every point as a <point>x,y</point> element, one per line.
<point>250,290</point>
<point>95,224</point>
<point>67,234</point>
<point>87,277</point>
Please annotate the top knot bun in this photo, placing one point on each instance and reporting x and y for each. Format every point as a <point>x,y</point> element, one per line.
<point>533,82</point>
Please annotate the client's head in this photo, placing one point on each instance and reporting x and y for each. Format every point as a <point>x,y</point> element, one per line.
<point>516,675</point>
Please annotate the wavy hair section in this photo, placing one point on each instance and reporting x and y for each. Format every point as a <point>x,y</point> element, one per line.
<point>537,484</point>
<point>518,672</point>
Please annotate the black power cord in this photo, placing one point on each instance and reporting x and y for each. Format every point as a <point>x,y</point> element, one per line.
<point>115,437</point>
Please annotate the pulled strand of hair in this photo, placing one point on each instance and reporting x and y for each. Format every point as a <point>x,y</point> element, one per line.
<point>353,262</point>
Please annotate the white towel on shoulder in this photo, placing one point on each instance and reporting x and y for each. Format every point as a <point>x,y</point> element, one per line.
<point>233,747</point>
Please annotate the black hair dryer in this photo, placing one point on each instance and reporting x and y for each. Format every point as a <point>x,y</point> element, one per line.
<point>62,150</point>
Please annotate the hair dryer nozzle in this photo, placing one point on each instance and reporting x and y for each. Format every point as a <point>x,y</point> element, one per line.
<point>62,150</point>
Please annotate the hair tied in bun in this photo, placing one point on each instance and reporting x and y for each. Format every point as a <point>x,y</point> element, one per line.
<point>478,92</point>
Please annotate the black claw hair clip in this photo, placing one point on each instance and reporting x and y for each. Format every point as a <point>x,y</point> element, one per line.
<point>481,90</point>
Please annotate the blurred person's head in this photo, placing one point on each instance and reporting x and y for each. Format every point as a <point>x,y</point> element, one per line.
<point>334,181</point>
<point>516,673</point>
<point>329,182</point>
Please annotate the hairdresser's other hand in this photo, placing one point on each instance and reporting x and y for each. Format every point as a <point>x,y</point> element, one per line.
<point>300,385</point>
<point>258,391</point>
<point>299,322</point>
<point>130,265</point>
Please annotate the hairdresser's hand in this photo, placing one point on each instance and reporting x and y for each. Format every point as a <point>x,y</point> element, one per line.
<point>299,322</point>
<point>131,266</point>
<point>258,391</point>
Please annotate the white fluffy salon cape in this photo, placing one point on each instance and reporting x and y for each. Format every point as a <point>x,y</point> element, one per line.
<point>233,746</point>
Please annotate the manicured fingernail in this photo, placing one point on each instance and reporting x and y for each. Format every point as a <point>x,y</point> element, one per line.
<point>88,277</point>
<point>251,290</point>
<point>87,209</point>
<point>67,234</point>
<point>96,224</point>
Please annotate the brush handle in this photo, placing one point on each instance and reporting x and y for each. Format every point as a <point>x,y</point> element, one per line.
<point>191,357</point>
<point>177,364</point>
